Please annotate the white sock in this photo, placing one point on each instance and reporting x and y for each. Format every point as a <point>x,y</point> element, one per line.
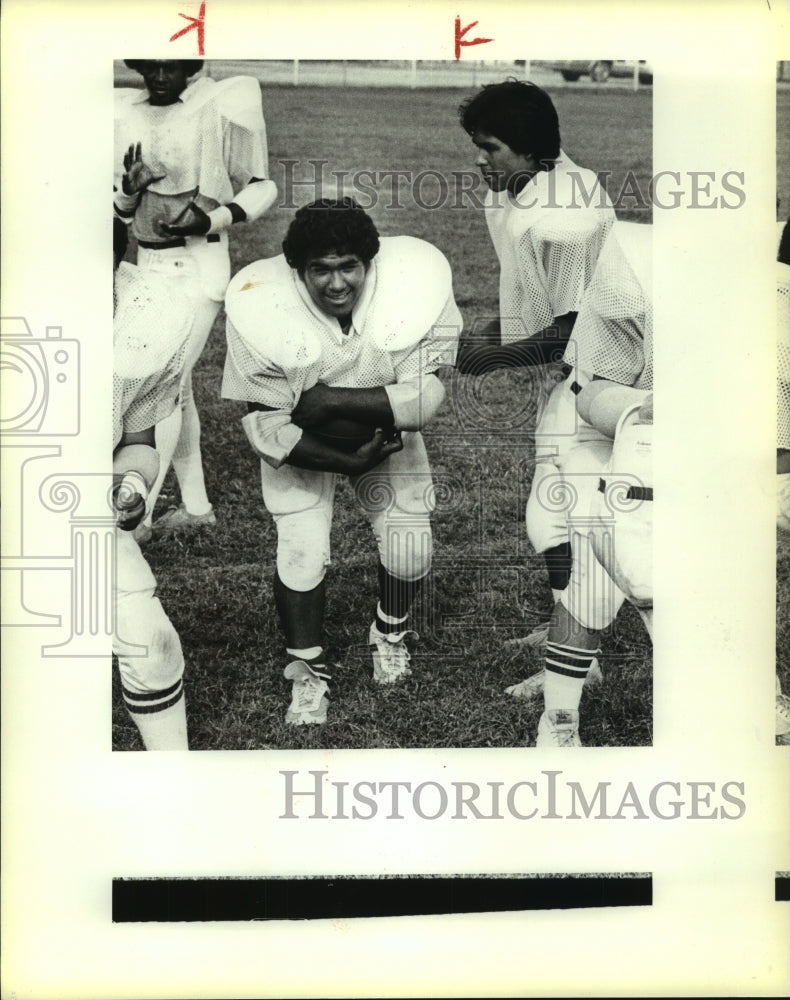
<point>167,433</point>
<point>164,730</point>
<point>187,457</point>
<point>566,670</point>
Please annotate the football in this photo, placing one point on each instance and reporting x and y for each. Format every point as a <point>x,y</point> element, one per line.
<point>343,434</point>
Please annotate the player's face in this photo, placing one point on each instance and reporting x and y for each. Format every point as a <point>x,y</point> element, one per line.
<point>501,167</point>
<point>165,80</point>
<point>335,282</point>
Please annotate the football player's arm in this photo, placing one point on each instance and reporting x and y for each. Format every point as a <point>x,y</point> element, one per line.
<point>602,402</point>
<point>322,403</point>
<point>135,466</point>
<point>308,451</point>
<point>544,347</point>
<point>248,205</point>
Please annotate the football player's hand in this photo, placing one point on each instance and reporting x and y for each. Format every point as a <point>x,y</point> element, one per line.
<point>381,446</point>
<point>129,506</point>
<point>193,221</point>
<point>315,407</point>
<point>138,175</point>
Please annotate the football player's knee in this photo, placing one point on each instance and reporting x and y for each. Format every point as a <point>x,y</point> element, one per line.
<point>161,665</point>
<point>302,550</point>
<point>405,547</point>
<point>592,598</point>
<point>546,525</point>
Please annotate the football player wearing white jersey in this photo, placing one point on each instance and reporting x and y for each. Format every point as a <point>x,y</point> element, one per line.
<point>150,343</point>
<point>335,347</point>
<point>783,440</point>
<point>548,219</point>
<point>190,161</point>
<point>611,523</point>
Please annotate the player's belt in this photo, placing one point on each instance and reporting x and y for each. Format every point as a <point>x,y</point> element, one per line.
<point>174,244</point>
<point>633,493</point>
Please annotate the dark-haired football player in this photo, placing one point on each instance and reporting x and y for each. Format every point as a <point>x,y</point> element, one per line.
<point>343,330</point>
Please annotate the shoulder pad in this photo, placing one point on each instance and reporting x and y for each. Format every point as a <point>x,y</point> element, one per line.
<point>122,100</point>
<point>413,282</point>
<point>267,312</point>
<point>239,100</point>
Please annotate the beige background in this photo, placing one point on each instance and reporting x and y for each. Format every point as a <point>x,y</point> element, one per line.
<point>75,815</point>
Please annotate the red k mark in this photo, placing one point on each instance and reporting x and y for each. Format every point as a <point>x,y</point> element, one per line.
<point>195,23</point>
<point>459,37</point>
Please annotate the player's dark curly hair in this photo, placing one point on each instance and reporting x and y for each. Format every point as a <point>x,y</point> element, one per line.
<point>330,225</point>
<point>120,239</point>
<point>520,114</point>
<point>191,66</point>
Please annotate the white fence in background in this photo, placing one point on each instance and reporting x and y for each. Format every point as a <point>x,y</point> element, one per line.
<point>412,74</point>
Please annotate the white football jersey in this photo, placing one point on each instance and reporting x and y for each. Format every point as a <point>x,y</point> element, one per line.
<point>405,324</point>
<point>783,355</point>
<point>613,334</point>
<point>207,147</point>
<point>547,240</point>
<point>151,329</point>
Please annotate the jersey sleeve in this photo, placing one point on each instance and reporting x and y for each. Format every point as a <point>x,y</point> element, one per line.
<point>438,348</point>
<point>564,247</point>
<point>249,375</point>
<point>244,143</point>
<point>612,337</point>
<point>142,403</point>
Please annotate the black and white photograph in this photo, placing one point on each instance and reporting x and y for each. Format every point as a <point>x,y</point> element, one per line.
<point>376,502</point>
<point>499,483</point>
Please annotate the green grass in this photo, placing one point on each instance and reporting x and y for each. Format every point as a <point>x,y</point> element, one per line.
<point>487,584</point>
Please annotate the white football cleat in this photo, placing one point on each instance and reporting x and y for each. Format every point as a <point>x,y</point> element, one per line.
<point>390,655</point>
<point>178,519</point>
<point>308,695</point>
<point>533,685</point>
<point>558,727</point>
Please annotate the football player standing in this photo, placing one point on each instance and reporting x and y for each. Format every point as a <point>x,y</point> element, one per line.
<point>335,346</point>
<point>548,219</point>
<point>190,161</point>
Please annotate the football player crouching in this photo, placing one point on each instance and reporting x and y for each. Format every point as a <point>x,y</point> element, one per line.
<point>151,330</point>
<point>335,346</point>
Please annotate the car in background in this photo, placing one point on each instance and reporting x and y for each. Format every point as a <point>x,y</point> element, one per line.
<point>599,70</point>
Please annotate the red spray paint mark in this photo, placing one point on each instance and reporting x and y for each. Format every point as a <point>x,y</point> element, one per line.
<point>196,24</point>
<point>459,37</point>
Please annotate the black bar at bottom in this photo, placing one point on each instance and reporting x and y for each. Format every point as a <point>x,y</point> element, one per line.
<point>782,889</point>
<point>177,900</point>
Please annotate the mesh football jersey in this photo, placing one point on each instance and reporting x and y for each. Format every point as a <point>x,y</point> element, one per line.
<point>208,145</point>
<point>613,334</point>
<point>405,324</point>
<point>547,240</point>
<point>150,340</point>
<point>783,355</point>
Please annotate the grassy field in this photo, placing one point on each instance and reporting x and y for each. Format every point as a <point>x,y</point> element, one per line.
<point>487,586</point>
